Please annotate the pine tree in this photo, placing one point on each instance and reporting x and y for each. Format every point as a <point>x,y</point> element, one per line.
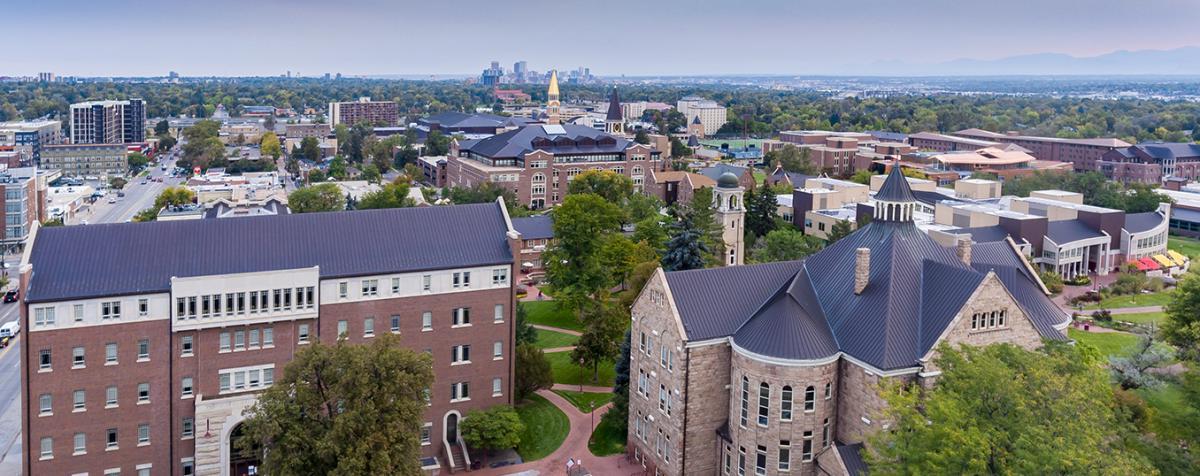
<point>761,208</point>
<point>686,249</point>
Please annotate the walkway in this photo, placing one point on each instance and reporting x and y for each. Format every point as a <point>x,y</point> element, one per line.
<point>557,329</point>
<point>1136,310</point>
<point>581,388</point>
<point>575,446</point>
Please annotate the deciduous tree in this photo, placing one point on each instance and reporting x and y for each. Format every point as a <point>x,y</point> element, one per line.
<point>325,197</point>
<point>269,146</point>
<point>611,186</point>
<point>532,371</point>
<point>392,195</point>
<point>494,429</point>
<point>573,263</point>
<point>1182,327</point>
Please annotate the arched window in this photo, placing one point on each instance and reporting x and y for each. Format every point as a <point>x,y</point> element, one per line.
<point>810,399</point>
<point>636,170</point>
<point>538,178</point>
<point>785,404</point>
<point>745,400</point>
<point>732,256</point>
<point>764,403</point>
<point>618,169</point>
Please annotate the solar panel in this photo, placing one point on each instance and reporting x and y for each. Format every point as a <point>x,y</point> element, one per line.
<point>554,129</point>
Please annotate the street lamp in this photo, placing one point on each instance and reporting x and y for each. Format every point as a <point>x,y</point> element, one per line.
<point>592,404</point>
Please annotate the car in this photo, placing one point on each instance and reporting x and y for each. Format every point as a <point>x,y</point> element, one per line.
<point>112,199</point>
<point>10,329</point>
<point>12,295</point>
<point>120,194</point>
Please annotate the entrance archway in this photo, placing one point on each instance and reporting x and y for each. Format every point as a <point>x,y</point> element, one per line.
<point>243,463</point>
<point>452,428</point>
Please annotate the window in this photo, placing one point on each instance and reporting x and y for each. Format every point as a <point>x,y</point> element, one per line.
<point>460,354</point>
<point>760,460</point>
<point>44,359</point>
<point>43,316</point>
<point>110,438</point>
<point>224,382</point>
<point>110,310</point>
<point>268,337</point>
<point>370,287</point>
<point>466,282</point>
<point>143,307</point>
<point>497,350</point>
<point>764,403</point>
<point>185,387</point>
<point>460,391</point>
<point>745,400</point>
<point>277,304</point>
<point>189,467</point>
<point>143,393</point>
<point>45,404</point>
<point>239,340</point>
<point>395,327</point>
<point>188,428</point>
<point>143,434</point>
<point>806,454</point>
<point>825,434</point>
<point>496,387</point>
<point>342,329</point>
<point>828,390</point>
<point>499,276</point>
<point>224,341</point>
<point>426,431</point>
<point>143,350</point>
<point>662,355</point>
<point>110,396</point>
<point>342,292</point>
<point>642,343</point>
<point>230,304</point>
<point>185,344</point>
<point>253,335</point>
<point>369,326</point>
<point>810,399</point>
<point>303,333</point>
<point>742,461</point>
<point>457,280</point>
<point>785,455</point>
<point>309,302</point>
<point>498,314</point>
<point>426,282</point>
<point>253,302</point>
<point>79,400</point>
<point>80,444</point>
<point>427,321</point>
<point>78,360</point>
<point>727,456</point>
<point>47,448</point>
<point>110,353</point>
<point>78,312</point>
<point>785,404</point>
<point>462,316</point>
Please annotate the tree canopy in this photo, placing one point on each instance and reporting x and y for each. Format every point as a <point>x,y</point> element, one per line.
<point>1182,327</point>
<point>325,197</point>
<point>582,224</point>
<point>392,195</point>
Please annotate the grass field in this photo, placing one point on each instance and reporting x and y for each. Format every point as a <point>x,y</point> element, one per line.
<point>1141,317</point>
<point>1169,406</point>
<point>545,428</point>
<point>1109,343</point>
<point>584,400</point>
<point>1189,247</point>
<point>607,439</point>
<point>547,313</point>
<point>567,372</point>
<point>550,339</point>
<point>1160,298</point>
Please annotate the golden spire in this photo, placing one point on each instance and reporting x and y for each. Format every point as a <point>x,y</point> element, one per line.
<point>553,91</point>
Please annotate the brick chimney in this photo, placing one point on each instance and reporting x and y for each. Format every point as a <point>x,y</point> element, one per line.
<point>862,269</point>
<point>962,248</point>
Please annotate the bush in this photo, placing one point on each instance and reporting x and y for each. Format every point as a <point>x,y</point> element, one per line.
<point>1129,283</point>
<point>1081,280</point>
<point>1053,281</point>
<point>1103,315</point>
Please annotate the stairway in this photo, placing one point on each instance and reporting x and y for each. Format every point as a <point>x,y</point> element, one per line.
<point>457,461</point>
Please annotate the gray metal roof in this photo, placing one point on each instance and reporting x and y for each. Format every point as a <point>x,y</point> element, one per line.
<point>76,262</point>
<point>536,227</point>
<point>852,457</point>
<point>895,188</point>
<point>576,140</point>
<point>1067,231</point>
<point>614,107</point>
<point>931,198</point>
<point>462,120</point>
<point>983,234</point>
<point>1139,222</point>
<point>715,302</point>
<point>717,170</point>
<point>1185,214</point>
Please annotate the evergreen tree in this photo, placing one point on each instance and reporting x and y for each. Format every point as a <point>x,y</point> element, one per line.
<point>619,413</point>
<point>687,248</point>
<point>704,218</point>
<point>641,137</point>
<point>761,209</point>
<point>839,230</point>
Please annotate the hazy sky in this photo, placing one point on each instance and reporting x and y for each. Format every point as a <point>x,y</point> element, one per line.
<point>267,37</point>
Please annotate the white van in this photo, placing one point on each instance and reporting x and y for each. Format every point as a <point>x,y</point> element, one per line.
<point>10,330</point>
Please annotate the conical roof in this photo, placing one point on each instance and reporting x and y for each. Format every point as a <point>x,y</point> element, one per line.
<point>614,107</point>
<point>553,91</point>
<point>895,188</point>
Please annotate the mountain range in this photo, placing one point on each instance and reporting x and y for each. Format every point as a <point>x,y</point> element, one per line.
<point>1178,61</point>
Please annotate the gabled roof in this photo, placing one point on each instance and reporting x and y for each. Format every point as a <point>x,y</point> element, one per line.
<point>567,138</point>
<point>537,227</point>
<point>715,302</point>
<point>1139,222</point>
<point>142,258</point>
<point>851,456</point>
<point>931,198</point>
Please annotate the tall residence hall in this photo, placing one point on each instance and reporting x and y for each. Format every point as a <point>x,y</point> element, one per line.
<point>536,161</point>
<point>108,122</point>
<point>142,358</point>
<point>771,368</point>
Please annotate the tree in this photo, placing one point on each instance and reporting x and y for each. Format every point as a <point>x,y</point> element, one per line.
<point>525,332</point>
<point>316,176</point>
<point>704,217</point>
<point>1182,327</point>
<point>166,143</point>
<point>436,144</point>
<point>137,161</point>
<point>371,174</point>
<point>839,230</point>
<point>310,149</point>
<point>174,197</point>
<point>269,146</point>
<point>619,413</point>
<point>337,167</point>
<point>784,245</point>
<point>496,428</point>
<point>862,176</point>
<point>1005,410</point>
<point>149,214</point>
<point>325,197</point>
<point>342,409</point>
<point>392,195</point>
<point>1133,371</point>
<point>651,232</point>
<point>292,166</point>
<point>117,183</point>
<point>679,149</point>
<point>603,324</point>
<point>573,264</point>
<point>792,159</point>
<point>686,248</point>
<point>611,186</point>
<point>761,210</point>
<point>161,128</point>
<point>203,147</point>
<point>640,206</point>
<point>641,137</point>
<point>532,371</point>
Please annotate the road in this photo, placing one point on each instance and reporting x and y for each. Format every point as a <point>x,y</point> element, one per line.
<point>10,388</point>
<point>138,196</point>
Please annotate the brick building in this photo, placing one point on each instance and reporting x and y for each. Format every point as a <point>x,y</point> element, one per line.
<point>1083,154</point>
<point>773,368</point>
<point>377,113</point>
<point>1151,162</point>
<point>80,160</point>
<point>145,356</point>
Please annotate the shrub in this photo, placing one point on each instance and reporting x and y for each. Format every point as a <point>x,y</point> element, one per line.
<point>1053,281</point>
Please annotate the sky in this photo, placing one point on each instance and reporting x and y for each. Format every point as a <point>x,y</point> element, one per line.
<point>612,37</point>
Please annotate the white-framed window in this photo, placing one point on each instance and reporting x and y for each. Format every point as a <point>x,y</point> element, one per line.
<point>370,287</point>
<point>188,428</point>
<point>810,399</point>
<point>785,403</point>
<point>225,341</point>
<point>143,350</point>
<point>185,346</point>
<point>246,378</point>
<point>45,404</point>
<point>427,321</point>
<point>110,439</point>
<point>741,461</point>
<point>745,401</point>
<point>806,453</point>
<point>110,353</point>
<point>785,455</point>
<point>664,399</point>
<point>43,316</point>
<point>343,328</point>
<point>143,434</point>
<point>662,355</point>
<point>825,434</point>
<point>110,310</point>
<point>188,466</point>
<point>496,387</point>
<point>143,395</point>
<point>764,403</point>
<point>369,327</point>
<point>302,333</point>
<point>252,335</point>
<point>499,276</point>
<point>44,360</point>
<point>828,390</point>
<point>498,314</point>
<point>462,316</point>
<point>426,433</point>
<point>77,311</point>
<point>79,400</point>
<point>47,448</point>
<point>395,286</point>
<point>343,289</point>
<point>460,391</point>
<point>497,350</point>
<point>110,396</point>
<point>460,354</point>
<point>426,283</point>
<point>143,307</point>
<point>80,447</point>
<point>760,461</point>
<point>185,387</point>
<point>394,325</point>
<point>78,358</point>
<point>239,340</point>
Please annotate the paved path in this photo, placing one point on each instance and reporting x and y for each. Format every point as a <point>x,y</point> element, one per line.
<point>557,329</point>
<point>558,349</point>
<point>575,446</point>
<point>1136,310</point>
<point>586,388</point>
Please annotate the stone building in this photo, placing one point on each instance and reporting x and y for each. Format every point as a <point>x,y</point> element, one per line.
<point>773,368</point>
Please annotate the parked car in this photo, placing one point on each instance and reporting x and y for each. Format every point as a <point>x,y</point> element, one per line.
<point>10,329</point>
<point>12,296</point>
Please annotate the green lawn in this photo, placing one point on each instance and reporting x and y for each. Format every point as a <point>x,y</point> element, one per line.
<point>1109,343</point>
<point>1168,402</point>
<point>585,401</point>
<point>1189,247</point>
<point>547,313</point>
<point>1160,298</point>
<point>607,439</point>
<point>545,428</point>
<point>567,372</point>
<point>1141,317</point>
<point>550,339</point>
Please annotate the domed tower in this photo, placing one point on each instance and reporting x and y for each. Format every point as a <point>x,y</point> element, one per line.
<point>731,214</point>
<point>894,202</point>
<point>552,103</point>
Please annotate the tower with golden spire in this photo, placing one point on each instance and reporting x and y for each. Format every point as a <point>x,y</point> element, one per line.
<point>552,99</point>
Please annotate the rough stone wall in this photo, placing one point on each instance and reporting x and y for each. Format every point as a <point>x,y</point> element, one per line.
<point>653,318</point>
<point>777,376</point>
<point>859,401</point>
<point>990,296</point>
<point>706,406</point>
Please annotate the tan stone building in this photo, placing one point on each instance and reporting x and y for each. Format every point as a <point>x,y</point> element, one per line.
<point>773,368</point>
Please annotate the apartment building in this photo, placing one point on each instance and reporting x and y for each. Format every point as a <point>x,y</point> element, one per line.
<point>108,122</point>
<point>82,160</point>
<point>143,358</point>
<point>28,137</point>
<point>711,114</point>
<point>378,113</point>
<point>22,202</point>
<point>1151,162</point>
<point>774,368</point>
<point>1083,154</point>
<point>843,153</point>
